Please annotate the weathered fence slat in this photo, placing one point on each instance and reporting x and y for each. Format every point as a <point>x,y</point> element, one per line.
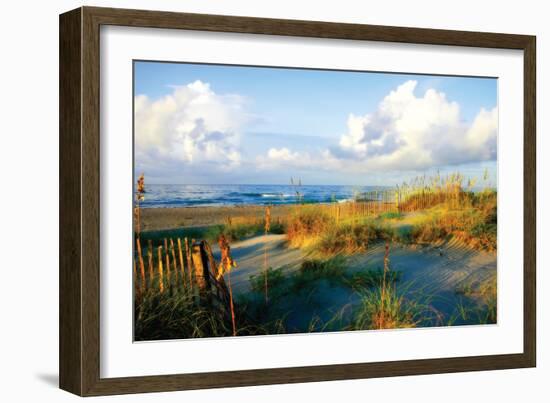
<point>167,256</point>
<point>175,264</point>
<point>161,274</point>
<point>182,266</point>
<point>189,264</point>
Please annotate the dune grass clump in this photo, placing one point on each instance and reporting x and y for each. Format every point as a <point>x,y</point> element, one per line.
<point>425,192</point>
<point>384,308</point>
<point>353,238</point>
<point>475,226</point>
<point>313,270</point>
<point>307,225</point>
<point>451,208</point>
<point>483,236</point>
<point>429,231</point>
<point>165,316</point>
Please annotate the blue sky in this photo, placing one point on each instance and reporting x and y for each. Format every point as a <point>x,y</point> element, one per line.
<point>232,124</point>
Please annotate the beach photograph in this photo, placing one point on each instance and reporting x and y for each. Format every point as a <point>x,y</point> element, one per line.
<point>271,201</point>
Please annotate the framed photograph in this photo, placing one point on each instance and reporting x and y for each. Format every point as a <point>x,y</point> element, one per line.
<point>249,201</point>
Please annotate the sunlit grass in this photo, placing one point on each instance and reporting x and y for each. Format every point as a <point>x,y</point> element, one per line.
<point>475,226</point>
<point>385,308</point>
<point>164,316</point>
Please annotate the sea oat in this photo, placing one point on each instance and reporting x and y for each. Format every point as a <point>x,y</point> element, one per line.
<point>140,191</point>
<point>227,263</point>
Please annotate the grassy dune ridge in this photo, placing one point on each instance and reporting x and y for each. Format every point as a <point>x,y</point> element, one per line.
<point>474,223</point>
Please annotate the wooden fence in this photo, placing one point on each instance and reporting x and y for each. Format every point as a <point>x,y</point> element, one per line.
<point>407,199</point>
<point>180,266</point>
<point>376,202</point>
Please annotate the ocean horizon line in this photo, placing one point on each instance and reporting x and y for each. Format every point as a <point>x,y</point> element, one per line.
<point>260,184</point>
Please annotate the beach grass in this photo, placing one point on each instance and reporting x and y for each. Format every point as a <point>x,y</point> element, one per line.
<point>474,224</point>
<point>384,308</point>
<point>165,316</point>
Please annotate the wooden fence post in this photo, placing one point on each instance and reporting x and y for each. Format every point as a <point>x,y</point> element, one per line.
<point>189,264</point>
<point>200,262</point>
<point>173,250</point>
<point>167,256</point>
<point>182,266</point>
<point>161,274</point>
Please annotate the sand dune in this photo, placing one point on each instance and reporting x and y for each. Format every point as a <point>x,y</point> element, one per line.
<point>249,254</point>
<point>432,272</point>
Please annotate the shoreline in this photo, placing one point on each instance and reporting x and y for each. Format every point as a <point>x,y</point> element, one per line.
<point>245,205</point>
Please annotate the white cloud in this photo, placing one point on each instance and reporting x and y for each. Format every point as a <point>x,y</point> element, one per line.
<point>404,133</point>
<point>481,138</point>
<point>410,132</point>
<point>282,154</point>
<point>277,158</point>
<point>192,125</point>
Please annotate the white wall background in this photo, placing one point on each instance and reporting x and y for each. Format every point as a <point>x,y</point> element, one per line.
<point>29,198</point>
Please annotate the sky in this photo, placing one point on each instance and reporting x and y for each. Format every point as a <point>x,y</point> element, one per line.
<point>216,124</point>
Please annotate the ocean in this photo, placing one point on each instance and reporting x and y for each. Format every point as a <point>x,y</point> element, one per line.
<point>224,195</point>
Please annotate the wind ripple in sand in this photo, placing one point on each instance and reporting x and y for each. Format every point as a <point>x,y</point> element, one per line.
<point>434,272</point>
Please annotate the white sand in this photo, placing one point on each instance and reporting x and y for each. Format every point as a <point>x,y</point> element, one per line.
<point>432,272</point>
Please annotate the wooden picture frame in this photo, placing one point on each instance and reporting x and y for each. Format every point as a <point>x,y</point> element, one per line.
<point>79,200</point>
